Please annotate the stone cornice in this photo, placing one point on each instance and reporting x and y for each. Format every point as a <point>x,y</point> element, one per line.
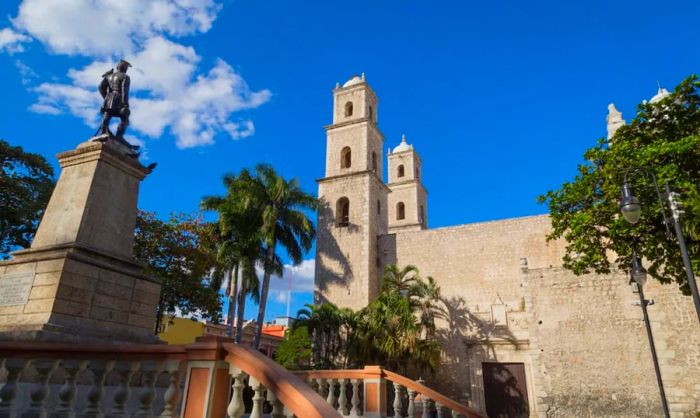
<point>372,173</point>
<point>112,154</point>
<point>353,122</point>
<point>408,182</point>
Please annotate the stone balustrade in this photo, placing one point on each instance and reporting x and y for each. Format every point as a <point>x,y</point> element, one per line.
<point>374,392</point>
<point>201,380</point>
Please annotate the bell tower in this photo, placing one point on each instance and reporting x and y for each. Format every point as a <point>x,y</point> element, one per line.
<point>353,198</point>
<point>408,206</point>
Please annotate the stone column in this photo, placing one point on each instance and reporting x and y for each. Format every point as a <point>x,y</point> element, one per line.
<point>78,281</point>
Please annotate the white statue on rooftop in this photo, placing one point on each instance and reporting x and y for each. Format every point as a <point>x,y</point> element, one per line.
<point>614,120</point>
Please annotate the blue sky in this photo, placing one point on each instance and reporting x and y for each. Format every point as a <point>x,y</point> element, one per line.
<point>500,98</point>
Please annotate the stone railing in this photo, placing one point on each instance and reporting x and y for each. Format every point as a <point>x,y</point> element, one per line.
<point>373,392</point>
<point>201,380</point>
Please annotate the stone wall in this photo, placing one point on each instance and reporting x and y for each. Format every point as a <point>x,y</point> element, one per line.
<point>580,338</point>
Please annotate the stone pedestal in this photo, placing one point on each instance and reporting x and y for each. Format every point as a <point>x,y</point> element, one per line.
<point>78,282</point>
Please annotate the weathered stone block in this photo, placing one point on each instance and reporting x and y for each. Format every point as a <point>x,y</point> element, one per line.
<point>38,305</point>
<point>111,315</point>
<point>43,292</point>
<point>48,266</point>
<point>45,279</point>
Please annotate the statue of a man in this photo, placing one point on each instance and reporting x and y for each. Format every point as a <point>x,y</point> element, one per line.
<point>114,89</point>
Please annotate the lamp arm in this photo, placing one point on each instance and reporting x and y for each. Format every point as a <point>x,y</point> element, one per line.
<point>669,234</point>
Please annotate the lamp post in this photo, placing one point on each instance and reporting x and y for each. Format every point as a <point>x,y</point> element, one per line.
<point>638,276</point>
<point>631,209</point>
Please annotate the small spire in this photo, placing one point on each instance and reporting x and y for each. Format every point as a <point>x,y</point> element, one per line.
<point>614,120</point>
<point>403,138</point>
<point>363,76</point>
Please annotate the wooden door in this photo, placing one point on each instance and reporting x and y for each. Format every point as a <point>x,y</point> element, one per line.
<point>505,390</point>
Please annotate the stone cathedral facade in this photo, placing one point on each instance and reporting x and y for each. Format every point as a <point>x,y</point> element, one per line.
<point>519,330</point>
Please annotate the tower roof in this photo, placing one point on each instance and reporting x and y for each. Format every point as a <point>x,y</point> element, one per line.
<point>354,80</point>
<point>662,94</point>
<point>403,146</point>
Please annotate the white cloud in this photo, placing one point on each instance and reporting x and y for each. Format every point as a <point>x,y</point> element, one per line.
<point>105,27</point>
<point>170,91</point>
<point>11,41</point>
<point>302,278</point>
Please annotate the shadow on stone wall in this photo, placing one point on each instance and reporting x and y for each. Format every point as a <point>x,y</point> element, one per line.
<point>468,340</point>
<point>330,251</point>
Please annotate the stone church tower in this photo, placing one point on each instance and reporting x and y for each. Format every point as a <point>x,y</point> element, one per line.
<point>354,199</point>
<point>408,198</point>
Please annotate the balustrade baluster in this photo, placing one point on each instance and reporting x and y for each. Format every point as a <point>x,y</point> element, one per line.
<point>172,395</point>
<point>355,411</point>
<point>44,368</point>
<point>312,383</point>
<point>411,403</point>
<point>236,408</point>
<point>427,407</point>
<point>398,405</point>
<point>121,397</point>
<point>456,414</point>
<point>321,386</point>
<point>440,411</point>
<point>258,398</point>
<point>100,370</point>
<point>276,405</point>
<point>67,392</point>
<point>150,373</point>
<point>14,369</point>
<point>331,392</point>
<point>343,397</point>
<point>288,412</point>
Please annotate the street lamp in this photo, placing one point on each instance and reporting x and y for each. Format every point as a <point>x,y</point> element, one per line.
<point>638,275</point>
<point>632,210</point>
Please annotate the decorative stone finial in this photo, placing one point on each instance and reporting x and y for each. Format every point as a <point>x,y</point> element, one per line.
<point>363,76</point>
<point>403,138</point>
<point>614,120</point>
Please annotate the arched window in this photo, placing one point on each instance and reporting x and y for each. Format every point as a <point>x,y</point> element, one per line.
<point>399,171</point>
<point>348,109</point>
<point>342,212</point>
<point>417,173</point>
<point>345,158</point>
<point>371,113</point>
<point>400,211</point>
<point>379,207</point>
<point>374,161</point>
<point>422,215</point>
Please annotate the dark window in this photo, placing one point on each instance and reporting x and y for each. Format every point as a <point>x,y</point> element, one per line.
<point>348,109</point>
<point>399,171</point>
<point>371,114</point>
<point>379,207</point>
<point>422,215</point>
<point>374,161</point>
<point>400,211</point>
<point>345,158</point>
<point>342,212</point>
<point>417,173</point>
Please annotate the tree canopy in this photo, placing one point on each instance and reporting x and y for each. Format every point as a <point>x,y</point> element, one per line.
<point>663,139</point>
<point>396,330</point>
<point>26,183</point>
<point>182,254</point>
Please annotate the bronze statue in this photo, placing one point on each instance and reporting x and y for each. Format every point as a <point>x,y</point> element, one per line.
<point>114,90</point>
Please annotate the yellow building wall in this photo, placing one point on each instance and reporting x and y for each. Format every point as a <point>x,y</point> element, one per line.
<point>182,331</point>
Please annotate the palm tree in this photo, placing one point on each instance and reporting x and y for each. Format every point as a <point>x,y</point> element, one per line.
<point>280,204</point>
<point>239,243</point>
<point>329,328</point>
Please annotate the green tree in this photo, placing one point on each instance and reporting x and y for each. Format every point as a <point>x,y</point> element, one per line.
<point>664,138</point>
<point>294,352</point>
<point>280,204</point>
<point>239,242</point>
<point>182,254</point>
<point>329,328</point>
<point>26,183</point>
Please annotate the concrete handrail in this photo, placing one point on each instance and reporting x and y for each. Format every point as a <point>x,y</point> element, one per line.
<point>432,394</point>
<point>377,372</point>
<point>293,392</point>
